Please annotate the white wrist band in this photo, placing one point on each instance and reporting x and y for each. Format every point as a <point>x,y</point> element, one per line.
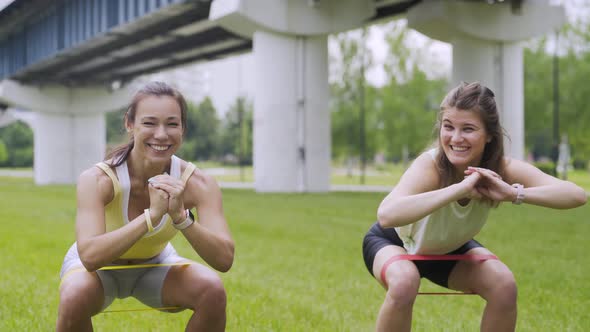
<point>148,220</point>
<point>519,193</point>
<point>187,222</point>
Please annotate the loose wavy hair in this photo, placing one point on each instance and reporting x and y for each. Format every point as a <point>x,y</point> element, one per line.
<point>473,97</point>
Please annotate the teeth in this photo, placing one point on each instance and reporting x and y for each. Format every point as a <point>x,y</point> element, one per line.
<point>458,148</point>
<point>160,147</point>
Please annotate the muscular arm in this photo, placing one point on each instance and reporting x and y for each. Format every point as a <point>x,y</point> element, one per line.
<point>210,236</point>
<point>96,247</point>
<point>416,195</point>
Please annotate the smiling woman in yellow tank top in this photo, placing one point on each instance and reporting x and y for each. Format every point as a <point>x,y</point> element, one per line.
<point>129,208</point>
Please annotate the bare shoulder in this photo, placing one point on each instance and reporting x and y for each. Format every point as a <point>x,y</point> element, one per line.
<point>198,177</point>
<point>200,187</point>
<point>421,176</point>
<point>95,181</point>
<point>201,179</point>
<point>425,160</point>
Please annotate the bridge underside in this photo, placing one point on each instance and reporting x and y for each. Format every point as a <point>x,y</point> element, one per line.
<point>60,59</point>
<point>89,42</point>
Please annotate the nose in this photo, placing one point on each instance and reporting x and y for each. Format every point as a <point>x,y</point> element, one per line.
<point>161,133</point>
<point>456,136</point>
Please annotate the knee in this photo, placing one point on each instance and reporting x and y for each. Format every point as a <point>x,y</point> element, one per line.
<point>504,291</point>
<point>403,289</point>
<point>213,296</point>
<point>76,298</point>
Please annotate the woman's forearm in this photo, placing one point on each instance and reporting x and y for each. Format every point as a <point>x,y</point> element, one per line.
<point>217,250</point>
<point>98,251</point>
<point>409,209</point>
<point>565,195</point>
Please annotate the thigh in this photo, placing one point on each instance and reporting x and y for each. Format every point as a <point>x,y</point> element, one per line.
<point>77,284</point>
<point>83,289</point>
<point>478,276</point>
<point>379,245</point>
<point>398,271</point>
<point>184,285</point>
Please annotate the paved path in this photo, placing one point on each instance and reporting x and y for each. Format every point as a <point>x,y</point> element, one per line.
<point>334,187</point>
<point>245,185</point>
<point>230,185</point>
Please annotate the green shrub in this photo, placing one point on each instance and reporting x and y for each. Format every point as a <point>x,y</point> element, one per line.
<point>580,164</point>
<point>546,166</point>
<point>3,153</point>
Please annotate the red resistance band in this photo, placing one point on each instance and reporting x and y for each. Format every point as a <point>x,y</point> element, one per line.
<point>480,258</point>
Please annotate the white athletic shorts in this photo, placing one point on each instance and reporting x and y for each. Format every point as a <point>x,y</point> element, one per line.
<point>144,284</point>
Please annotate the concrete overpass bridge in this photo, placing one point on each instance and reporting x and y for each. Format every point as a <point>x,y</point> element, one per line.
<point>69,62</point>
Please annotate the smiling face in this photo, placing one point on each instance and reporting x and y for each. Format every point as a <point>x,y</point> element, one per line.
<point>463,137</point>
<point>157,127</point>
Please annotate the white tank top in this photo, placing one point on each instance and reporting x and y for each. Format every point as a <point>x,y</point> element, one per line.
<point>446,229</point>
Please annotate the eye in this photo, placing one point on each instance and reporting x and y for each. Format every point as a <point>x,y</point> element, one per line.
<point>468,129</point>
<point>448,127</point>
<point>148,123</point>
<point>173,124</point>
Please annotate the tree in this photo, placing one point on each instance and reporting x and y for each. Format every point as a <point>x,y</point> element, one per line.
<point>352,103</point>
<point>236,136</point>
<point>409,101</point>
<point>18,138</point>
<point>3,153</point>
<point>201,140</point>
<point>574,110</point>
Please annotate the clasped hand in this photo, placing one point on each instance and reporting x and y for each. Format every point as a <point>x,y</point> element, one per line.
<point>166,196</point>
<point>484,184</point>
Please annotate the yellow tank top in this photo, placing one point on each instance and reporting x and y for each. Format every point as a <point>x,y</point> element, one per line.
<point>116,215</point>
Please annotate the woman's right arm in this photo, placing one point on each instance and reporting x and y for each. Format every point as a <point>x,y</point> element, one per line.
<point>417,195</point>
<point>96,247</point>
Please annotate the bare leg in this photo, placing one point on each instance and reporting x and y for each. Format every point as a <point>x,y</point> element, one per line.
<point>80,297</point>
<point>494,282</point>
<point>403,280</point>
<point>200,289</point>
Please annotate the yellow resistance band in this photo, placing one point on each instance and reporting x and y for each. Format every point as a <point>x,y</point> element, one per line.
<point>134,266</point>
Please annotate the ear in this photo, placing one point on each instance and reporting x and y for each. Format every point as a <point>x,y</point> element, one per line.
<point>489,139</point>
<point>128,126</point>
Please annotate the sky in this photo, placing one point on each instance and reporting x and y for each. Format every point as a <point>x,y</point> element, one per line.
<point>4,3</point>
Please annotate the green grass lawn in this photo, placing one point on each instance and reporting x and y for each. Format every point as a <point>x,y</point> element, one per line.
<point>298,265</point>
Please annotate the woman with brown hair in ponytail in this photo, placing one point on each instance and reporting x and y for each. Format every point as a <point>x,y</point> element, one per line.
<point>442,201</point>
<point>129,208</point>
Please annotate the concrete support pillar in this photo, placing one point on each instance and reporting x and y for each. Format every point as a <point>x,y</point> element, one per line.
<point>292,145</point>
<point>499,66</point>
<point>66,144</point>
<point>68,126</point>
<point>291,115</point>
<point>486,48</point>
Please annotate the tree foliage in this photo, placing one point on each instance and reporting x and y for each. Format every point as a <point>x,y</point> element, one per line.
<point>573,91</point>
<point>18,139</point>
<point>236,134</point>
<point>399,115</point>
<point>201,139</point>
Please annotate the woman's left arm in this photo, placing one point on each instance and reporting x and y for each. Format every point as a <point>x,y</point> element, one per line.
<point>210,235</point>
<point>543,189</point>
<point>539,188</point>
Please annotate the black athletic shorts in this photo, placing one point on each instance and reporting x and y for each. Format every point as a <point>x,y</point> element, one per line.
<point>435,271</point>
